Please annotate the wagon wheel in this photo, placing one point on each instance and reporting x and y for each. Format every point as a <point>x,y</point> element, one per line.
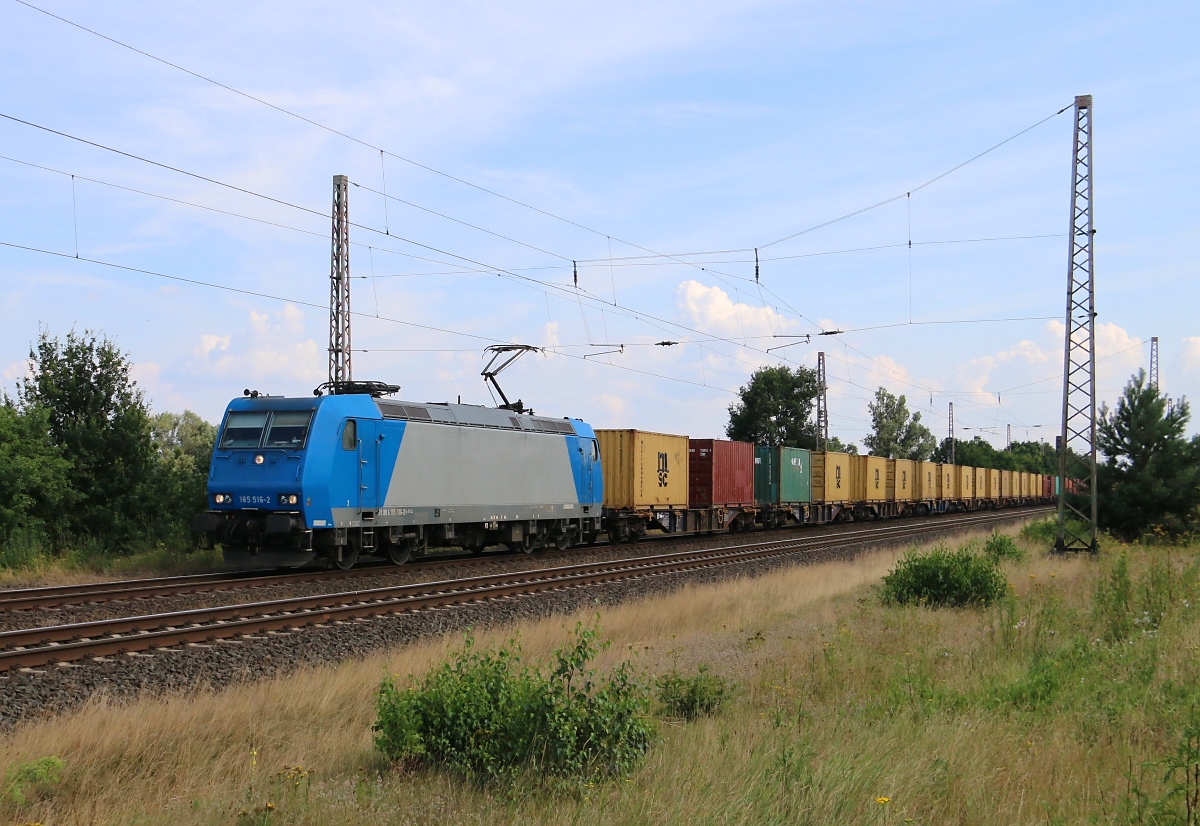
<point>564,540</point>
<point>348,556</point>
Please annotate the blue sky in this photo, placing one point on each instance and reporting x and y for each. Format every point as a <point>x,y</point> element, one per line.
<point>667,127</point>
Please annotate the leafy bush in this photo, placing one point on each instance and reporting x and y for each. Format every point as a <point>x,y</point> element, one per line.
<point>36,776</point>
<point>1001,546</point>
<point>691,697</point>
<point>1041,532</point>
<point>491,717</point>
<point>943,578</point>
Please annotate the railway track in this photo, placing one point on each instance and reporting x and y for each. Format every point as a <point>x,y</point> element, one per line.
<point>59,596</point>
<point>29,648</point>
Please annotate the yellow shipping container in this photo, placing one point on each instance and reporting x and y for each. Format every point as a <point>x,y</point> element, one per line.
<point>1025,487</point>
<point>948,486</point>
<point>868,478</point>
<point>831,477</point>
<point>993,484</point>
<point>925,482</point>
<point>901,480</point>
<point>1006,484</point>
<point>643,470</point>
<point>966,483</point>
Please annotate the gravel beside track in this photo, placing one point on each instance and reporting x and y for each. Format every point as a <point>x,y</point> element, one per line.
<point>47,690</point>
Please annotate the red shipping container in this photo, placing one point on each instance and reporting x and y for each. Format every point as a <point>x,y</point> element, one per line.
<point>1047,487</point>
<point>720,473</point>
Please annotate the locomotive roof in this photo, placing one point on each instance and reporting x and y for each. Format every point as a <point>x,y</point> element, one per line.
<point>471,415</point>
<point>463,415</point>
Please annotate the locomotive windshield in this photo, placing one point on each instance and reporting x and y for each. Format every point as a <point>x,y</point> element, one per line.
<point>243,429</point>
<point>289,428</point>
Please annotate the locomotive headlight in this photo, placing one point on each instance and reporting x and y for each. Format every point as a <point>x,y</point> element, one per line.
<point>288,498</point>
<point>258,460</point>
<point>223,498</point>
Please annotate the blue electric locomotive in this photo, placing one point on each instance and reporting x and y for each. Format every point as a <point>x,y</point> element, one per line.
<point>353,474</point>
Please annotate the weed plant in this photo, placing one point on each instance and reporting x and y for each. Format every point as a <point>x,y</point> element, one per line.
<point>690,697</point>
<point>35,778</point>
<point>941,578</point>
<point>491,717</point>
<point>1000,547</point>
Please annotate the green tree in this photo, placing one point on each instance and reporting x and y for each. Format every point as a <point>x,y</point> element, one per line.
<point>976,453</point>
<point>838,446</point>
<point>895,432</point>
<point>184,445</point>
<point>34,486</point>
<point>97,417</point>
<point>1150,477</point>
<point>775,408</point>
<point>1031,457</point>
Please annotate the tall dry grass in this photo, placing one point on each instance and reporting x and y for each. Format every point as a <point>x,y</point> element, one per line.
<point>842,702</point>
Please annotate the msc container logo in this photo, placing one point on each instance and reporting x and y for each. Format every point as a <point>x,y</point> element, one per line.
<point>837,476</point>
<point>797,462</point>
<point>876,478</point>
<point>663,470</point>
<point>904,480</point>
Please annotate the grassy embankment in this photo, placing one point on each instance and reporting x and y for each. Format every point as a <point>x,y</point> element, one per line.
<point>27,563</point>
<point>1051,706</point>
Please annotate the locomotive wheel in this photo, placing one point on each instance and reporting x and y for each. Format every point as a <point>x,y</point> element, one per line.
<point>563,541</point>
<point>400,553</point>
<point>349,556</point>
<point>526,545</point>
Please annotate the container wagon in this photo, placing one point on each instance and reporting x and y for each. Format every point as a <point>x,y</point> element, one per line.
<point>831,492</point>
<point>721,477</point>
<point>783,485</point>
<point>645,477</point>
<point>901,485</point>
<point>868,485</point>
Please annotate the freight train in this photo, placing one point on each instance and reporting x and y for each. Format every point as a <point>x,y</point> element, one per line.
<point>349,475</point>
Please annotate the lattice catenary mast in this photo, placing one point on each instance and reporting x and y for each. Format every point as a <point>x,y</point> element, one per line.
<point>1077,447</point>
<point>339,287</point>
<point>1154,362</point>
<point>951,415</point>
<point>822,405</point>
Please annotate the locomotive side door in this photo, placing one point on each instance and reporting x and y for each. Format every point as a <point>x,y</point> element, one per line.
<point>368,464</point>
<point>590,452</point>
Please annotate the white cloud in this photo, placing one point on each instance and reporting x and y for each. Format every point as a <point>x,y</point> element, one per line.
<point>974,375</point>
<point>1191,354</point>
<point>209,343</point>
<point>273,348</point>
<point>18,370</point>
<point>711,310</point>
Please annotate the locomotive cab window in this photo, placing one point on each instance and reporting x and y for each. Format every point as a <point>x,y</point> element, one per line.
<point>243,428</point>
<point>595,451</point>
<point>350,435</point>
<point>289,429</point>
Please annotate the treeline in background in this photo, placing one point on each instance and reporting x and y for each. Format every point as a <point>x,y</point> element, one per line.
<point>1148,472</point>
<point>86,470</point>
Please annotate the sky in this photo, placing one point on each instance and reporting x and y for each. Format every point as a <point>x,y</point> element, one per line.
<point>649,147</point>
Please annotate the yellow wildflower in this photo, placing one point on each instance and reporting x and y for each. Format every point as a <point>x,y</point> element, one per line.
<point>883,801</point>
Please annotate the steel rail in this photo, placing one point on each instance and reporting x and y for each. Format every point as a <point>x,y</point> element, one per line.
<point>28,648</point>
<point>57,596</point>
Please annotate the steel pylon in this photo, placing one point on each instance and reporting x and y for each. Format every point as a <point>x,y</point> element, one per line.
<point>822,405</point>
<point>1077,447</point>
<point>1154,362</point>
<point>950,414</point>
<point>339,286</point>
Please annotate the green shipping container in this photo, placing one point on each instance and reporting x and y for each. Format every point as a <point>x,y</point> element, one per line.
<point>782,476</point>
